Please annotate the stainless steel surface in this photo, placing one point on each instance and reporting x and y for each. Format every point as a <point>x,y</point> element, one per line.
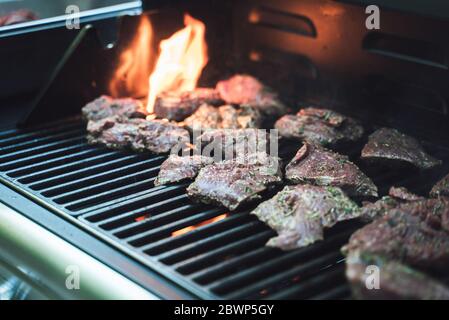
<point>46,261</point>
<point>60,16</point>
<point>47,9</point>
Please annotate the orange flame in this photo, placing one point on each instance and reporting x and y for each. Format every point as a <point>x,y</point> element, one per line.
<point>135,64</point>
<point>181,60</point>
<point>203,223</point>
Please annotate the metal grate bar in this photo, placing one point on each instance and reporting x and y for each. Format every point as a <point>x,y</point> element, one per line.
<point>166,230</point>
<point>54,154</point>
<point>306,288</point>
<point>113,215</point>
<point>109,185</point>
<point>46,164</point>
<point>55,171</point>
<point>340,292</point>
<point>230,283</point>
<point>112,194</point>
<point>164,245</point>
<point>17,136</point>
<point>40,149</point>
<point>225,252</point>
<point>147,222</point>
<point>97,178</point>
<point>12,148</point>
<point>86,172</point>
<point>212,242</point>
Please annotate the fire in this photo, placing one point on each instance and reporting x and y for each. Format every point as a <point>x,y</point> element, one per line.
<point>135,64</point>
<point>181,60</point>
<point>203,223</point>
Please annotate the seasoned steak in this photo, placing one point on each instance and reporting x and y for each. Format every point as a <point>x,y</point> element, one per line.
<point>157,136</point>
<point>405,237</point>
<point>396,280</point>
<point>320,126</point>
<point>231,142</point>
<point>105,106</point>
<point>246,90</point>
<point>401,193</point>
<point>395,198</point>
<point>299,214</point>
<point>17,16</point>
<point>180,168</point>
<point>313,164</point>
<point>232,183</point>
<point>179,105</point>
<point>224,117</point>
<point>391,147</point>
<point>441,188</point>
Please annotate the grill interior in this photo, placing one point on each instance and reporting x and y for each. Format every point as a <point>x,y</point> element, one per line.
<point>111,194</point>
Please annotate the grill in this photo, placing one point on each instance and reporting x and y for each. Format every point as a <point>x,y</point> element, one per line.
<point>310,51</point>
<point>111,194</point>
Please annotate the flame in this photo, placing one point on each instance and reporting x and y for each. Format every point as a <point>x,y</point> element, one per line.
<point>135,64</point>
<point>181,60</point>
<point>141,218</point>
<point>203,223</point>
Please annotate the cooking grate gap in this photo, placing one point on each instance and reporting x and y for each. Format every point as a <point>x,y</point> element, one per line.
<point>39,158</point>
<point>280,268</point>
<point>14,148</point>
<point>224,253</point>
<point>14,156</point>
<point>212,242</point>
<point>69,167</point>
<point>306,287</point>
<point>110,185</point>
<point>147,222</point>
<point>110,195</point>
<point>171,243</point>
<point>115,212</point>
<point>86,172</point>
<point>166,230</point>
<point>174,201</point>
<point>18,136</point>
<point>233,265</point>
<point>340,292</point>
<point>48,164</point>
<point>94,180</point>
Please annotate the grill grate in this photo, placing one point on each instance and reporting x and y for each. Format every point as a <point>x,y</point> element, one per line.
<point>208,251</point>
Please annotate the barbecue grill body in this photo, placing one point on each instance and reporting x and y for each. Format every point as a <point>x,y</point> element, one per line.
<point>311,51</point>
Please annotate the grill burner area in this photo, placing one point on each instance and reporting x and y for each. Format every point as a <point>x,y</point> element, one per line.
<point>111,194</point>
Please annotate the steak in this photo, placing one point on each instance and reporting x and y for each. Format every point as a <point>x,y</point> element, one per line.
<point>224,117</point>
<point>441,188</point>
<point>391,147</point>
<point>246,90</point>
<point>395,198</point>
<point>396,280</point>
<point>406,237</point>
<point>179,105</point>
<point>299,214</point>
<point>320,126</point>
<point>17,16</point>
<point>232,183</point>
<point>401,193</point>
<point>157,136</point>
<point>313,164</point>
<point>229,143</point>
<point>180,168</point>
<point>105,106</point>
